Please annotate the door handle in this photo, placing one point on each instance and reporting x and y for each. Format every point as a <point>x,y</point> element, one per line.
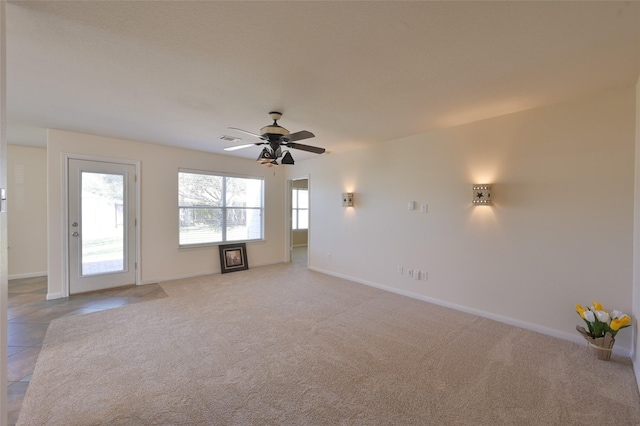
<point>75,234</point>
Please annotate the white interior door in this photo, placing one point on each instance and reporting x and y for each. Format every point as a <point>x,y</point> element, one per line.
<point>102,220</point>
<point>4,272</point>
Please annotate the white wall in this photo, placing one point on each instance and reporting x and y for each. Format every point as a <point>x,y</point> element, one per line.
<point>27,211</point>
<point>161,259</point>
<point>560,232</point>
<point>300,237</point>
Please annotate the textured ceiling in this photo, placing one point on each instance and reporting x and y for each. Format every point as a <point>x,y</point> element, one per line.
<point>179,73</point>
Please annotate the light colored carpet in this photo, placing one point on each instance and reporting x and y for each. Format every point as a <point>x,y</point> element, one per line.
<point>283,345</point>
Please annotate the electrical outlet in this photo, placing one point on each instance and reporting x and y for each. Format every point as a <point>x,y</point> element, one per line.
<point>423,208</point>
<point>423,275</point>
<point>416,275</point>
<point>410,272</point>
<point>329,256</point>
<point>400,270</point>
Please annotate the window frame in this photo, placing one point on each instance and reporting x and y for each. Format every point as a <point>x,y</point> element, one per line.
<point>223,208</point>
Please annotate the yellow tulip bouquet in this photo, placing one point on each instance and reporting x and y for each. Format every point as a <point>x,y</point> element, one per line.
<point>601,322</point>
<point>603,327</point>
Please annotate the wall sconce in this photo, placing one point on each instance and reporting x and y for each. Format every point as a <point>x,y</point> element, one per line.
<point>482,195</point>
<point>347,199</point>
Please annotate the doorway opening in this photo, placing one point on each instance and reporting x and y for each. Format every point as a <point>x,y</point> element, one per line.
<point>299,229</point>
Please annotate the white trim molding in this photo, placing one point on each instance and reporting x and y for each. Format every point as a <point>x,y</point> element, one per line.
<point>625,352</point>
<point>29,275</point>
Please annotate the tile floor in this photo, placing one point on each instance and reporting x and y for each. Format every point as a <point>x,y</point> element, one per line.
<point>29,317</point>
<point>299,256</point>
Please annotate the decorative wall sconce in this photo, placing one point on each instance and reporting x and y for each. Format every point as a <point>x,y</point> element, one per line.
<point>347,199</point>
<point>482,195</point>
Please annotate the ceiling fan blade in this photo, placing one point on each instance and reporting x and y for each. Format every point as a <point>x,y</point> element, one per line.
<point>298,136</point>
<point>249,133</point>
<point>233,148</point>
<point>302,147</point>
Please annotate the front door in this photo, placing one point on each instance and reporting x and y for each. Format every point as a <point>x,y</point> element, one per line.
<point>102,220</point>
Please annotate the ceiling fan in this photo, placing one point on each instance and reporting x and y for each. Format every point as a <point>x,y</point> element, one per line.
<point>275,137</point>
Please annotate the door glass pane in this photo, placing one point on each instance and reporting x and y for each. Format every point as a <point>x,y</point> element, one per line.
<point>102,223</point>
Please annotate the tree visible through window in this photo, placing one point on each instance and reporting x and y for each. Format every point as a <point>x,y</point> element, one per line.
<point>300,205</point>
<point>215,208</point>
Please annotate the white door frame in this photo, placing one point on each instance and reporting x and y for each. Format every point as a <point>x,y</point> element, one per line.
<point>288,235</point>
<point>4,268</point>
<point>65,213</point>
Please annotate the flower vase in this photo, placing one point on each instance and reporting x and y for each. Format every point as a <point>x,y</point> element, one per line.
<point>601,346</point>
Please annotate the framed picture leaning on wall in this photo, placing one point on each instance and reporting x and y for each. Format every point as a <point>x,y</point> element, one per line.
<point>233,257</point>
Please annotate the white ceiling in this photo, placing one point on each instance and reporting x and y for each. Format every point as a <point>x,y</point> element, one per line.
<point>179,73</point>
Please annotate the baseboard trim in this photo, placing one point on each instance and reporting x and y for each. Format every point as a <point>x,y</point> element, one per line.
<point>30,275</point>
<point>199,274</point>
<point>51,296</point>
<point>177,277</point>
<point>621,351</point>
<point>636,369</point>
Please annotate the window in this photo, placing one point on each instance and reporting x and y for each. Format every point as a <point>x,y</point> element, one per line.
<point>300,205</point>
<point>217,208</point>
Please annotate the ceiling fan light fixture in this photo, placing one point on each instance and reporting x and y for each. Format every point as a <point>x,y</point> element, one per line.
<point>287,159</point>
<point>265,156</point>
<point>274,129</point>
<point>275,138</point>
